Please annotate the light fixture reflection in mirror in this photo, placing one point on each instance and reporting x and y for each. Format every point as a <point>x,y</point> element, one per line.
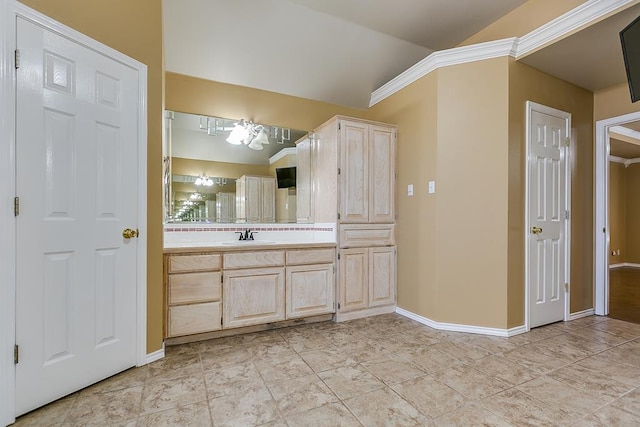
<point>202,160</point>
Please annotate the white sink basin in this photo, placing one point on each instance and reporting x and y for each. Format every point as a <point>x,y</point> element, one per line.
<point>248,242</point>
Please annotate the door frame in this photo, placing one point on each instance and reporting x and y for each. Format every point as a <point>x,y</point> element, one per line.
<point>533,106</point>
<point>9,11</point>
<point>601,177</point>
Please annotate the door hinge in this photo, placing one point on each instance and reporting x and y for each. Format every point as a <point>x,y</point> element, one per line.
<point>339,126</point>
<point>566,287</point>
<point>566,214</point>
<point>338,215</point>
<point>16,354</point>
<point>338,306</point>
<point>16,206</point>
<point>16,54</point>
<point>221,278</point>
<point>566,142</point>
<point>604,230</point>
<point>220,321</point>
<point>338,171</point>
<point>338,255</point>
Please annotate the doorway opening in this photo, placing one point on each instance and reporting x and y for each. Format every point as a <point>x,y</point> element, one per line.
<point>617,232</point>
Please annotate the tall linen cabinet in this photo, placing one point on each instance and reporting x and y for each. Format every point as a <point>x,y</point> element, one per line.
<point>354,183</point>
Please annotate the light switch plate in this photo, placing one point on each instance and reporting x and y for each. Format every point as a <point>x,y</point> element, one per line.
<point>432,187</point>
<point>410,190</point>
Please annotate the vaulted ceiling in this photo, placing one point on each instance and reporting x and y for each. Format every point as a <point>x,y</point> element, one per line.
<point>337,51</point>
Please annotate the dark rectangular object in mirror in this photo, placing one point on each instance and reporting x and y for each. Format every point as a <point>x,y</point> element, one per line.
<point>286,177</point>
<point>630,39</point>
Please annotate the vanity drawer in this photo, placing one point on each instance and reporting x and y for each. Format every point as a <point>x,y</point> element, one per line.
<point>253,259</point>
<point>185,263</point>
<point>194,318</point>
<point>194,287</point>
<point>367,235</point>
<point>310,256</point>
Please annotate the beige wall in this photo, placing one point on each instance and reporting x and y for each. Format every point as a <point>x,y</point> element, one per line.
<point>632,220</point>
<point>526,83</point>
<point>134,28</point>
<point>198,96</point>
<point>617,212</point>
<point>452,244</point>
<point>472,182</point>
<point>193,167</point>
<point>523,20</point>
<point>414,110</point>
<point>613,101</point>
<point>461,250</point>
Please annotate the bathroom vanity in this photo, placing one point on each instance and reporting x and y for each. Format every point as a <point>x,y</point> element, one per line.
<point>338,262</point>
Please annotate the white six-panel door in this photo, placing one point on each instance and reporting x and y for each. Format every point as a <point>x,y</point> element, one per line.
<point>548,213</point>
<point>76,176</point>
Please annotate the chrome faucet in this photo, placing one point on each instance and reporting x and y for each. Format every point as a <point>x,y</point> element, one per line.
<point>247,234</point>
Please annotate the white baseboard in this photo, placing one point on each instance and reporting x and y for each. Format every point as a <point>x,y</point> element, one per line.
<point>624,264</point>
<point>453,327</point>
<point>581,314</point>
<point>156,355</point>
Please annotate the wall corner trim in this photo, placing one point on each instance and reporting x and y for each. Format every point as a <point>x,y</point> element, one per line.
<point>453,327</point>
<point>574,20</point>
<point>581,314</point>
<point>155,356</point>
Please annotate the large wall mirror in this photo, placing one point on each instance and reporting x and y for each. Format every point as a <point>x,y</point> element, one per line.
<point>204,157</point>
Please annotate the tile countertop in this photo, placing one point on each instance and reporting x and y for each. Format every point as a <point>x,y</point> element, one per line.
<point>190,247</point>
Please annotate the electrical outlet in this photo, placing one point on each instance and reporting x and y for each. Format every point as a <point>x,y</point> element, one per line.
<point>432,187</point>
<point>410,190</point>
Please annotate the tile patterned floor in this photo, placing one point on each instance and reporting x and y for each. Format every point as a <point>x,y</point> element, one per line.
<point>380,371</point>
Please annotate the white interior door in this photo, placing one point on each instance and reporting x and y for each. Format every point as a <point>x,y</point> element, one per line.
<point>548,214</point>
<point>76,176</point>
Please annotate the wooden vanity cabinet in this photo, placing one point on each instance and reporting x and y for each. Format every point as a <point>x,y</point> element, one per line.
<point>194,294</point>
<point>310,282</point>
<point>255,199</point>
<point>207,292</point>
<point>360,199</point>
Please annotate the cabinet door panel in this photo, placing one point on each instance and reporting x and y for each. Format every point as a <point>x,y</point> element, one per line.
<point>354,279</point>
<point>382,174</point>
<point>268,190</point>
<point>194,287</point>
<point>187,263</point>
<point>304,181</point>
<point>309,290</point>
<point>253,199</point>
<point>382,279</point>
<point>253,296</point>
<point>354,171</point>
<point>193,319</point>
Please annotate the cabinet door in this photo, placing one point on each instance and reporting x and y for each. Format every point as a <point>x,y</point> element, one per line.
<point>241,199</point>
<point>382,276</point>
<point>253,296</point>
<point>253,198</point>
<point>268,191</point>
<point>193,319</point>
<point>354,172</point>
<point>354,279</point>
<point>309,290</point>
<point>304,180</point>
<point>382,142</point>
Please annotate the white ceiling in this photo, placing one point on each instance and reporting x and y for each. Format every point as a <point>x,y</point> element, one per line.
<point>337,51</point>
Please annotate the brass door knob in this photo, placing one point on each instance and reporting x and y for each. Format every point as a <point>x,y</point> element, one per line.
<point>536,230</point>
<point>128,233</point>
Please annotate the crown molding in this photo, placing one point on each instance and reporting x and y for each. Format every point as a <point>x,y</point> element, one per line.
<point>564,25</point>
<point>575,19</point>
<point>621,130</point>
<point>282,153</point>
<point>443,58</point>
